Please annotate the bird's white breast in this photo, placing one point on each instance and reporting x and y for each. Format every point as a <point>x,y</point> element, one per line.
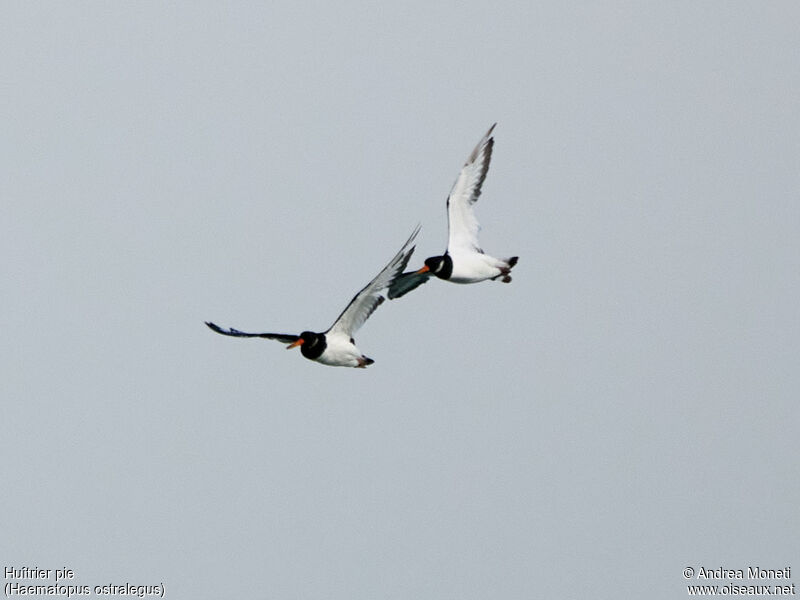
<point>340,352</point>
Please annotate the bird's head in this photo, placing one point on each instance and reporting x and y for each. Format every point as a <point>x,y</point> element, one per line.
<point>307,339</point>
<point>441,266</point>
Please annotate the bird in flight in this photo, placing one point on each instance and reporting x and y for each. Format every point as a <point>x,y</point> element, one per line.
<point>464,261</point>
<point>335,346</point>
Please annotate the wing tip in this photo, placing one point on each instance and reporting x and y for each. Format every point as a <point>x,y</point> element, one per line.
<point>484,147</point>
<point>217,329</point>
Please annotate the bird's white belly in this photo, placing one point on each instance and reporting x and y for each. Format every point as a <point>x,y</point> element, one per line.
<point>474,267</point>
<point>340,352</point>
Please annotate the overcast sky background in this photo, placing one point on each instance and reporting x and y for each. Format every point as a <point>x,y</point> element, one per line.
<point>626,407</point>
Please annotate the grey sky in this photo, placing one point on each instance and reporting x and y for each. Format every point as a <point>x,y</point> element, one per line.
<point>625,408</point>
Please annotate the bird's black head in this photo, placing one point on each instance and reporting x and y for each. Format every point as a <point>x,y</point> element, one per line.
<point>309,337</point>
<point>441,266</point>
<point>312,345</point>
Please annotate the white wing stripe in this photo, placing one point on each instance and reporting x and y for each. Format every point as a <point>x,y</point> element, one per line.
<point>367,300</point>
<point>462,223</point>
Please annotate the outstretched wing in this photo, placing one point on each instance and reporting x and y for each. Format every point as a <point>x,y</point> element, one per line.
<point>405,283</point>
<point>463,225</point>
<point>367,300</point>
<point>284,338</point>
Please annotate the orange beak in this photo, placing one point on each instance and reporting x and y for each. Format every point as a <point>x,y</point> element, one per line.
<point>297,343</point>
<point>424,269</point>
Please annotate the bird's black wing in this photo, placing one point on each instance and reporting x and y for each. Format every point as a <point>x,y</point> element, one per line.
<point>406,282</point>
<point>284,338</point>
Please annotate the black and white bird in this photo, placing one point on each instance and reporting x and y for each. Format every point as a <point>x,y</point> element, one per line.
<point>464,261</point>
<point>336,346</point>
